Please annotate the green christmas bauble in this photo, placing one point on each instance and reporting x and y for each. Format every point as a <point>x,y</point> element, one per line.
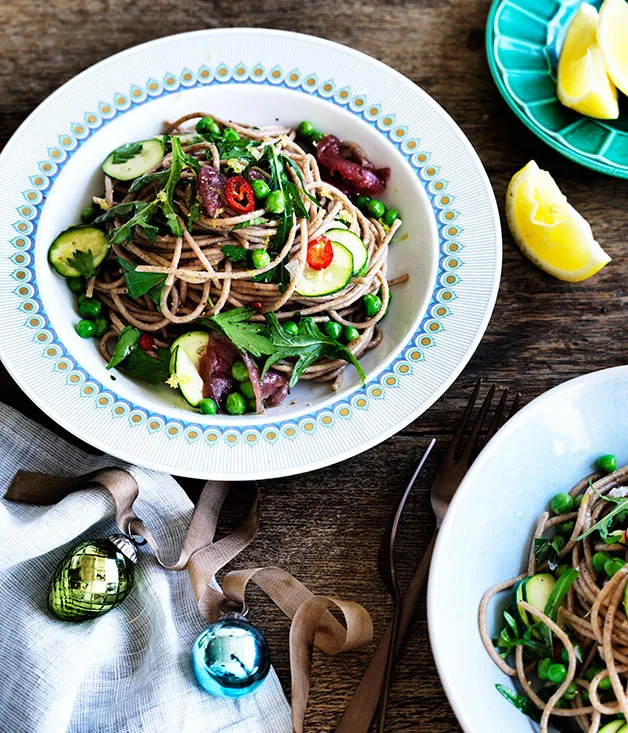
<point>93,578</point>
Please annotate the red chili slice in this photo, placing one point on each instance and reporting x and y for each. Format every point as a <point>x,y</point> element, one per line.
<point>240,195</point>
<point>320,253</point>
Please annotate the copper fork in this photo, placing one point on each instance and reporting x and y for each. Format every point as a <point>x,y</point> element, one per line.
<point>361,709</point>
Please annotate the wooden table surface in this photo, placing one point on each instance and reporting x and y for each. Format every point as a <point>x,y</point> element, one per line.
<point>325,526</point>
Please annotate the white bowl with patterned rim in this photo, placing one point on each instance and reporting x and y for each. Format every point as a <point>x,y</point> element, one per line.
<point>450,245</point>
<point>547,447</point>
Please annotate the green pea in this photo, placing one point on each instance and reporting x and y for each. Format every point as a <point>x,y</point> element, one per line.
<point>543,668</point>
<point>275,202</point>
<point>76,284</point>
<point>566,528</point>
<point>88,214</point>
<point>85,329</point>
<point>561,503</point>
<point>599,560</point>
<point>613,566</point>
<point>306,129</point>
<point>333,329</point>
<point>235,404</point>
<point>607,463</point>
<point>578,501</point>
<point>605,684</point>
<point>556,673</point>
<point>260,188</point>
<point>362,202</point>
<point>560,570</point>
<point>390,217</point>
<point>376,208</point>
<point>577,651</point>
<point>372,305</point>
<point>251,405</point>
<point>89,307</point>
<point>291,328</point>
<point>570,692</point>
<point>350,334</point>
<point>317,136</point>
<point>591,671</point>
<point>207,126</point>
<point>102,326</point>
<point>260,258</point>
<point>559,542</point>
<point>246,388</point>
<point>207,406</point>
<point>239,371</point>
<point>230,135</point>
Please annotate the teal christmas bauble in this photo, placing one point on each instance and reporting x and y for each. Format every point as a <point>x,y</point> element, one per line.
<point>93,578</point>
<point>231,657</point>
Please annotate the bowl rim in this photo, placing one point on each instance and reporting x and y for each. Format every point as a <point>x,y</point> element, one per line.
<point>66,421</point>
<point>579,157</point>
<point>553,395</point>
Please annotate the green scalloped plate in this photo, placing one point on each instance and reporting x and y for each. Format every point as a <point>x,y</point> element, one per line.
<point>523,42</point>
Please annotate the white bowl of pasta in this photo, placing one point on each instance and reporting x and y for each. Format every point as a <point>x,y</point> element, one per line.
<point>535,604</point>
<point>203,302</point>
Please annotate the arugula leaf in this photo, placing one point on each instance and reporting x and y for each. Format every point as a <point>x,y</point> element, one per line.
<point>547,551</point>
<point>83,261</point>
<point>143,214</point>
<point>308,345</point>
<point>278,179</point>
<point>278,274</point>
<point>114,211</point>
<point>521,702</point>
<point>236,254</point>
<point>139,283</point>
<point>604,524</point>
<point>194,214</point>
<point>158,178</point>
<point>127,341</point>
<point>557,596</point>
<point>509,638</point>
<point>153,370</point>
<point>257,221</point>
<point>288,161</point>
<point>243,335</point>
<point>126,152</point>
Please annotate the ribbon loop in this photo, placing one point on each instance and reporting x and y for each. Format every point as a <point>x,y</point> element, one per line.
<point>312,623</point>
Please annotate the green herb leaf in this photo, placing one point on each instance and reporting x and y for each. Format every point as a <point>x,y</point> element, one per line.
<point>243,335</point>
<point>139,283</point>
<point>152,369</point>
<point>557,596</point>
<point>288,161</point>
<point>308,345</point>
<point>236,254</point>
<point>547,551</point>
<point>521,702</point>
<point>257,221</point>
<point>83,261</point>
<point>604,524</point>
<point>116,211</point>
<point>127,341</point>
<point>143,214</point>
<point>194,214</point>
<point>126,152</point>
<point>158,179</point>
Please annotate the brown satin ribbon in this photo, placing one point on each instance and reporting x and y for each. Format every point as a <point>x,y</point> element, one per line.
<point>312,623</point>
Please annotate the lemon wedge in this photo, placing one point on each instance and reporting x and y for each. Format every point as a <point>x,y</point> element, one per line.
<point>583,83</point>
<point>548,230</point>
<point>612,36</point>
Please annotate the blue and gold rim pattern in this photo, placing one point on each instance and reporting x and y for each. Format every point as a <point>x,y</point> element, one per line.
<point>102,398</point>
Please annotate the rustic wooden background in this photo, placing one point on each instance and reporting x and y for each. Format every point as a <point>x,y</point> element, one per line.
<point>325,526</point>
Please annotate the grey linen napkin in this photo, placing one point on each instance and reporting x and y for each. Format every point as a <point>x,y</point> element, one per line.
<point>128,671</point>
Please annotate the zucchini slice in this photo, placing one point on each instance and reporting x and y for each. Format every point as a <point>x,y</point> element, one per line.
<point>354,244</point>
<point>536,591</point>
<point>148,156</point>
<point>615,726</point>
<point>315,283</point>
<point>65,252</point>
<point>186,355</point>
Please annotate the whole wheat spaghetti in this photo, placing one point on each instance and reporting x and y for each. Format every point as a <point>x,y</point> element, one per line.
<point>565,639</point>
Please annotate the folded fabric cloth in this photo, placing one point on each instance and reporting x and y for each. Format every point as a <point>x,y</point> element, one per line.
<point>128,671</point>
